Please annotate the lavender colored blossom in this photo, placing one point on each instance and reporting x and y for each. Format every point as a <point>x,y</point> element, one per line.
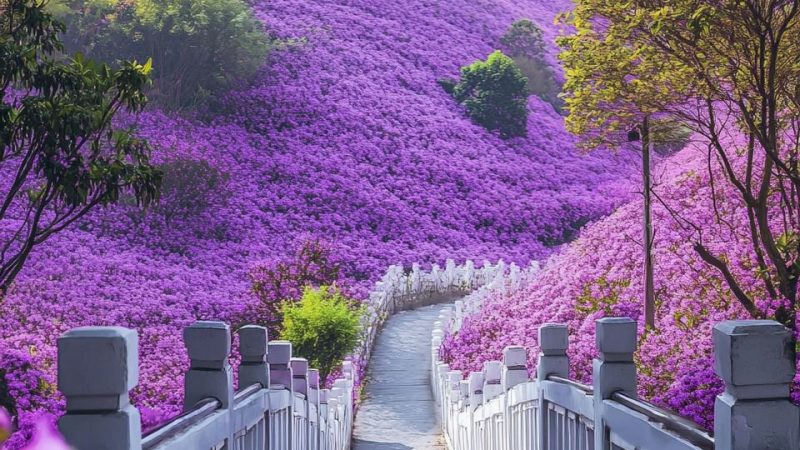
<point>344,136</point>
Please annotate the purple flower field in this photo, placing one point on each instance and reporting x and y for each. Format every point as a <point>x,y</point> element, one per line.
<point>600,274</point>
<point>344,136</point>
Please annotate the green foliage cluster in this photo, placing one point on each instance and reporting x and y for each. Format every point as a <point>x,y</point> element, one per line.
<point>523,42</point>
<point>199,47</point>
<point>323,327</point>
<point>190,187</point>
<point>494,93</point>
<point>57,135</point>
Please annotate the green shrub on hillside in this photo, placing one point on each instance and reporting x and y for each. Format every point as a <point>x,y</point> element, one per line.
<point>495,95</point>
<point>524,44</point>
<point>323,327</point>
<point>199,47</point>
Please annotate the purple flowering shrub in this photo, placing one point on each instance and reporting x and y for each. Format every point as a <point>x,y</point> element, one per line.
<point>600,275</point>
<point>313,264</point>
<point>344,136</point>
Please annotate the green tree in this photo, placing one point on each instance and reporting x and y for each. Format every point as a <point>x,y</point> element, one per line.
<point>524,43</point>
<point>323,327</point>
<point>59,153</point>
<point>728,71</point>
<point>199,47</point>
<point>494,94</point>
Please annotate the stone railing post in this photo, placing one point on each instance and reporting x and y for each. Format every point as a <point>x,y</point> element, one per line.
<point>492,383</point>
<point>279,354</point>
<point>253,349</point>
<point>515,371</point>
<point>475,381</point>
<point>300,386</point>
<point>324,414</point>
<point>614,369</point>
<point>97,366</point>
<point>300,376</point>
<point>515,367</point>
<point>450,407</point>
<point>756,361</point>
<point>209,346</point>
<point>442,370</point>
<point>313,399</point>
<point>552,361</point>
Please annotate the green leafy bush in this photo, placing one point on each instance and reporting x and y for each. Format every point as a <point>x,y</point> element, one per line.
<point>495,95</point>
<point>323,327</point>
<point>524,43</point>
<point>190,187</point>
<point>199,47</point>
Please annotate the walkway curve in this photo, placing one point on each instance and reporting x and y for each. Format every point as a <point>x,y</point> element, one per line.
<point>398,411</point>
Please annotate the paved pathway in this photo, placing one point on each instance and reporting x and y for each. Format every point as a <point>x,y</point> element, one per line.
<point>398,412</point>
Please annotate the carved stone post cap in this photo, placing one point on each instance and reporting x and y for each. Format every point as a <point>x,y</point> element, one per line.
<point>253,342</point>
<point>454,377</point>
<point>476,380</point>
<point>324,395</point>
<point>616,338</point>
<point>492,370</point>
<point>299,367</point>
<point>279,352</point>
<point>98,362</point>
<point>336,393</point>
<point>515,356</point>
<point>208,344</point>
<point>313,378</point>
<point>553,339</point>
<point>753,352</point>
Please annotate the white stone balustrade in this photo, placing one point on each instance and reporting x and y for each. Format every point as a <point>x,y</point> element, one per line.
<point>552,412</point>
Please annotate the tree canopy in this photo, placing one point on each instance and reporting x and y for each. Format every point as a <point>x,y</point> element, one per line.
<point>60,155</point>
<point>495,95</point>
<point>728,70</point>
<point>199,47</point>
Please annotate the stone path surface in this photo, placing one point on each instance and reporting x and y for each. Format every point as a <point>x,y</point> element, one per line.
<point>399,412</point>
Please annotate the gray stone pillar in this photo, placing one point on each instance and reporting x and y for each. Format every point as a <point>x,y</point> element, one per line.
<point>463,393</point>
<point>253,349</point>
<point>300,386</point>
<point>454,378</point>
<point>492,383</point>
<point>614,370</point>
<point>552,361</point>
<point>300,375</point>
<point>755,360</point>
<point>279,353</point>
<point>209,376</point>
<point>313,399</point>
<point>97,366</point>
<point>475,389</point>
<point>515,369</point>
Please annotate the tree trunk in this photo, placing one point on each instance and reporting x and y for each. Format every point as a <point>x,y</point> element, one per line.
<point>649,288</point>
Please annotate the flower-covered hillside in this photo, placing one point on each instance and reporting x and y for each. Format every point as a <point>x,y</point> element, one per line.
<point>600,274</point>
<point>346,136</point>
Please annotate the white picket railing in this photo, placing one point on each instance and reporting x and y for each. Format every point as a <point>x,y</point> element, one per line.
<point>500,408</point>
<point>279,404</point>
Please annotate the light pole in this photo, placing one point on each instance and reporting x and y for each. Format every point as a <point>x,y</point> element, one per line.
<point>643,134</point>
